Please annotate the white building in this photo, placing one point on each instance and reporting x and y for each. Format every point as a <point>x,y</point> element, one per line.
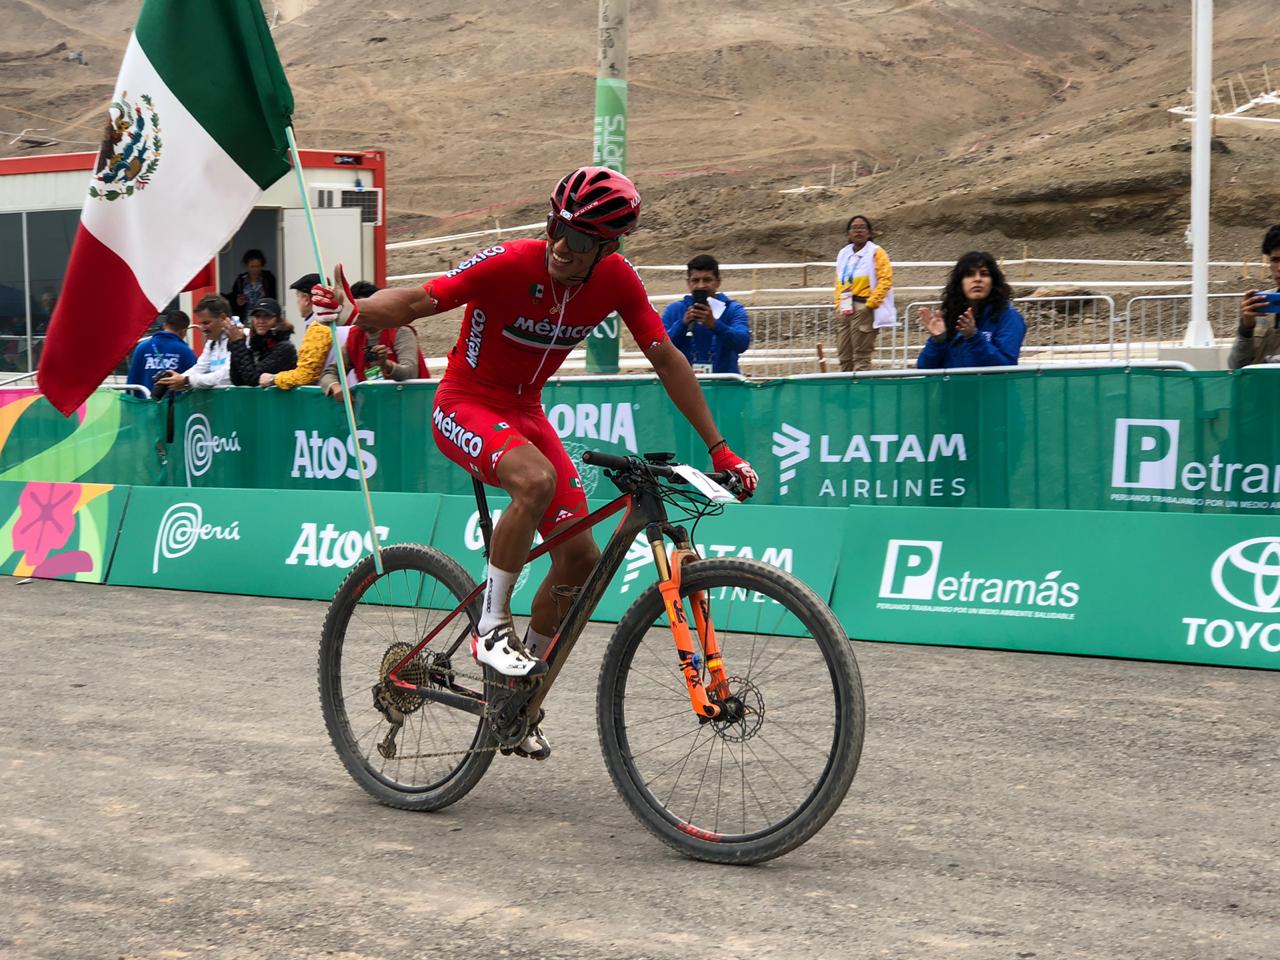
<point>40,202</point>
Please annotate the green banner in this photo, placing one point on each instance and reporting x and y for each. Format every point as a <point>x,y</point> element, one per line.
<point>800,541</point>
<point>609,150</point>
<point>299,440</point>
<point>111,438</point>
<point>1142,440</point>
<point>271,543</point>
<point>59,531</point>
<point>457,533</point>
<point>283,544</point>
<point>1189,589</point>
<point>1192,589</point>
<point>1145,440</point>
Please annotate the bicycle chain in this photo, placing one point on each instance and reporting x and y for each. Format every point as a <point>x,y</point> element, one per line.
<point>453,675</point>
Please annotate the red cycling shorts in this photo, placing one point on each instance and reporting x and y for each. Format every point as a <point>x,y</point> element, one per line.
<point>476,429</point>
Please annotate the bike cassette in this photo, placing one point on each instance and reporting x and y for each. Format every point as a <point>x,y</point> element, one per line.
<point>395,703</point>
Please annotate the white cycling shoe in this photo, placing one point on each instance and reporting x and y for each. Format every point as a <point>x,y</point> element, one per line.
<point>502,650</point>
<point>535,746</point>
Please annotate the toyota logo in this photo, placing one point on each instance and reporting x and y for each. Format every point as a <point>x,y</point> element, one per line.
<point>1248,574</point>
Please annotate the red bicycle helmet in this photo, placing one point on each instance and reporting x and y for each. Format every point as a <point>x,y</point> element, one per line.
<point>597,201</point>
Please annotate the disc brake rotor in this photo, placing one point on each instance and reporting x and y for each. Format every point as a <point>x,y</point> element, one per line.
<point>745,710</point>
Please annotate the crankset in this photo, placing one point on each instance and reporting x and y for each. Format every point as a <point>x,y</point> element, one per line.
<point>505,711</point>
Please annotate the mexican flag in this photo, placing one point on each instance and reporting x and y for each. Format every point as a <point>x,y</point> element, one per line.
<point>194,134</point>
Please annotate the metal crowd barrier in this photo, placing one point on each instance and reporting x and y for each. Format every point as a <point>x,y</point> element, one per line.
<point>793,339</point>
<point>1088,328</point>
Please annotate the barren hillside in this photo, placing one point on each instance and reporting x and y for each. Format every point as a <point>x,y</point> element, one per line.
<point>988,124</point>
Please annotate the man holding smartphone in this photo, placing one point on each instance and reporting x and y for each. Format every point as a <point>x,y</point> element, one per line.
<point>706,326</point>
<point>1254,345</point>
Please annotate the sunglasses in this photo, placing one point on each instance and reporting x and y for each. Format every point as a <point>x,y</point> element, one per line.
<point>576,240</point>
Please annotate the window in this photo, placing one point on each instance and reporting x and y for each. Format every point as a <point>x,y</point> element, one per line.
<point>13,296</point>
<point>50,234</point>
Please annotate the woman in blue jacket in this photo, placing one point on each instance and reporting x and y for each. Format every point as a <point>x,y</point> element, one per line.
<point>977,325</point>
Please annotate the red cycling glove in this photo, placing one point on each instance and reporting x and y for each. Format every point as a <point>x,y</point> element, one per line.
<point>722,458</point>
<point>335,304</point>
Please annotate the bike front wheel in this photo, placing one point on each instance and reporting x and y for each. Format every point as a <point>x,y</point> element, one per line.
<point>756,787</point>
<point>406,751</point>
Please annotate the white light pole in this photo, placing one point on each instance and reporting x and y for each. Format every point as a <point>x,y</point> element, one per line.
<point>1199,333</point>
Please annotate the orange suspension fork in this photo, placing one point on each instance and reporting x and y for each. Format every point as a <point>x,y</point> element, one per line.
<point>669,586</point>
<point>710,645</point>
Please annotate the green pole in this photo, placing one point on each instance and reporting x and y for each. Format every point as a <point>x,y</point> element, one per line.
<point>610,149</point>
<point>337,352</point>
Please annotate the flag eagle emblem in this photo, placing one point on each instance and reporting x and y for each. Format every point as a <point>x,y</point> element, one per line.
<point>130,151</point>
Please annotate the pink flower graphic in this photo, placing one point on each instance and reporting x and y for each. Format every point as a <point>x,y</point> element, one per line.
<point>65,564</point>
<point>46,517</point>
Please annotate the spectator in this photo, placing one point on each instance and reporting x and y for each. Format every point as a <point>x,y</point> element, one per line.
<point>213,368</point>
<point>1250,349</point>
<point>316,342</point>
<point>267,349</point>
<point>707,327</point>
<point>41,318</point>
<point>864,295</point>
<point>256,283</point>
<point>165,350</point>
<point>977,325</point>
<point>395,355</point>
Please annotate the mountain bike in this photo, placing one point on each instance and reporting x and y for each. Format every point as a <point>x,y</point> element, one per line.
<point>734,744</point>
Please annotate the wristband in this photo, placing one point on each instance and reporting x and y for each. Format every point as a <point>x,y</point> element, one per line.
<point>716,446</point>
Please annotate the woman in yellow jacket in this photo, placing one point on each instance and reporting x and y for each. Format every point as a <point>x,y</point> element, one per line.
<point>864,296</point>
<point>316,343</point>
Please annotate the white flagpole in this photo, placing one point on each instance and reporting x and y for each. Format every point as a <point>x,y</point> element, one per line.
<point>1199,333</point>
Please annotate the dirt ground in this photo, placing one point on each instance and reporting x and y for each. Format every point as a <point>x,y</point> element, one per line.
<point>168,791</point>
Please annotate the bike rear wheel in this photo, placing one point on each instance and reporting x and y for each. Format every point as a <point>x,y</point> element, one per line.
<point>439,752</point>
<point>756,788</point>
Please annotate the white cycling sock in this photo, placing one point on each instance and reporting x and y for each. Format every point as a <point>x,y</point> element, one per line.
<point>496,606</point>
<point>536,643</point>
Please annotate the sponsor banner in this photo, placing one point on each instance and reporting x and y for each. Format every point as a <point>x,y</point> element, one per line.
<point>457,534</point>
<point>227,438</point>
<point>1156,462</point>
<point>59,531</point>
<point>273,543</point>
<point>1138,441</point>
<point>262,542</point>
<point>1154,440</point>
<point>801,541</point>
<point>300,440</point>
<point>1175,588</point>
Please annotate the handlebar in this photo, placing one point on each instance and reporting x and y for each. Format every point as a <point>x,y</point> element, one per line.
<point>609,461</point>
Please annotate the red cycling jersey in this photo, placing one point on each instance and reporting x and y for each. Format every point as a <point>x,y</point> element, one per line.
<point>520,325</point>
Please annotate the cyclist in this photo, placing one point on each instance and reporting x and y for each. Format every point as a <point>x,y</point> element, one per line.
<point>528,304</point>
